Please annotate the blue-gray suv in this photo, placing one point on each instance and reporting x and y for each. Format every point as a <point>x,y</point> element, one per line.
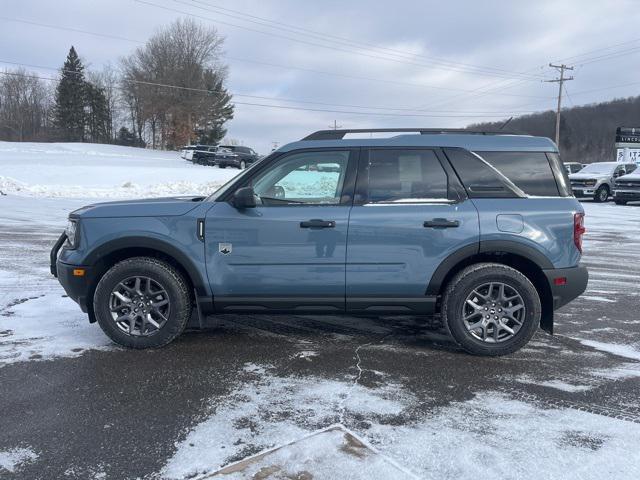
<point>480,228</point>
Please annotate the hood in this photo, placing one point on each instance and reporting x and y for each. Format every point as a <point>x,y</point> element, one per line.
<point>588,176</point>
<point>148,207</point>
<point>635,177</point>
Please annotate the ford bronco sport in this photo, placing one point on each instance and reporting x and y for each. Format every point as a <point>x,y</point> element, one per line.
<point>480,228</point>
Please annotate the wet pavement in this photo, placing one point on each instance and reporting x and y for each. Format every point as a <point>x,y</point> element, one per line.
<point>250,383</point>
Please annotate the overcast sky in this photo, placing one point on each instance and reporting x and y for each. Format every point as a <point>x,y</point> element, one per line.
<point>451,62</point>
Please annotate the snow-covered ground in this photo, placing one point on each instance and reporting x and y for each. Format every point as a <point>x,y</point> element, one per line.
<point>84,170</point>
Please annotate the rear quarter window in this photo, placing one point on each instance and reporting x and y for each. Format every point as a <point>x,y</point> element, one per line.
<point>530,171</point>
<point>478,178</point>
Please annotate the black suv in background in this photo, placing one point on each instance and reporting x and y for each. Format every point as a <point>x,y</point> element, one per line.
<point>242,157</point>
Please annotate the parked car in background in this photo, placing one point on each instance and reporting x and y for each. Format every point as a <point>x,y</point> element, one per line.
<point>240,157</point>
<point>187,151</point>
<point>198,153</point>
<point>627,188</point>
<point>225,158</point>
<point>596,179</point>
<point>573,167</point>
<point>479,228</point>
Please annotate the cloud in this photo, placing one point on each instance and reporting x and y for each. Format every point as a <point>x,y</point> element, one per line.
<point>504,38</point>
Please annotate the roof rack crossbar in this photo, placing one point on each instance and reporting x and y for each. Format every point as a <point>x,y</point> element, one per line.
<point>340,133</point>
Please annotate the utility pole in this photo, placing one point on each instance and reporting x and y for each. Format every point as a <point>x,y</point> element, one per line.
<point>335,125</point>
<point>560,81</point>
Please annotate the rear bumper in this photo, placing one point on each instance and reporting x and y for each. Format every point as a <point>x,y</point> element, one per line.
<point>574,284</point>
<point>227,162</point>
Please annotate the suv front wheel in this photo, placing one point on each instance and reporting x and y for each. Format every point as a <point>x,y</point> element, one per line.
<point>491,309</point>
<point>142,302</point>
<point>602,194</point>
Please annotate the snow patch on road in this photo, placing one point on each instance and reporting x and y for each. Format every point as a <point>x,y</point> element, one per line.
<point>12,460</point>
<point>627,351</point>
<point>45,327</point>
<point>481,438</point>
<point>268,411</point>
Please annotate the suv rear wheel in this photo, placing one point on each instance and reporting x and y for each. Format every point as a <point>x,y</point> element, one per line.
<point>142,302</point>
<point>491,309</point>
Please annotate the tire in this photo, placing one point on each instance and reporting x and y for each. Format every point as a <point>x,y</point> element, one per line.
<point>602,194</point>
<point>474,278</point>
<point>162,324</point>
<point>620,202</point>
<point>243,165</point>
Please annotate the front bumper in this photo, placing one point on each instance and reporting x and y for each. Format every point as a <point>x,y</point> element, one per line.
<point>75,285</point>
<point>627,195</point>
<point>582,192</point>
<point>566,284</point>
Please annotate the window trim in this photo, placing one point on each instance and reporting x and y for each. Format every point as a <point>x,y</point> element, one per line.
<point>455,192</point>
<point>346,196</point>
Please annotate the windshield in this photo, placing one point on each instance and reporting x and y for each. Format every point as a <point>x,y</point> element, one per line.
<point>598,168</point>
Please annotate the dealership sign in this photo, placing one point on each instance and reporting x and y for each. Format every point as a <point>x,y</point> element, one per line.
<point>628,155</point>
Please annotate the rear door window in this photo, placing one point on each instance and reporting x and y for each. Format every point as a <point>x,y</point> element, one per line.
<point>405,176</point>
<point>530,171</point>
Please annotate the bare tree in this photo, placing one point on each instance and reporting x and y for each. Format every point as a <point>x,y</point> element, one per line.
<point>174,85</point>
<point>25,102</point>
<point>108,80</point>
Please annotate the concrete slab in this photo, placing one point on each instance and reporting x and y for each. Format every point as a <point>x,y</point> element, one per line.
<point>333,452</point>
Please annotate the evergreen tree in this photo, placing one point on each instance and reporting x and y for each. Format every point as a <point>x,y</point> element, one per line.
<point>97,114</point>
<point>69,109</point>
<point>219,109</point>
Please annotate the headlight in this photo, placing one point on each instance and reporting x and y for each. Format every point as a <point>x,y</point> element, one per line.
<point>72,232</point>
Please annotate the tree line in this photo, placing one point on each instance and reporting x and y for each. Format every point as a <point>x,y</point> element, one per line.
<point>587,133</point>
<point>167,93</point>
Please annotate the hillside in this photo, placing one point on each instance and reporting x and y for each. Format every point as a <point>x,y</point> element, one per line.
<point>88,170</point>
<point>587,133</point>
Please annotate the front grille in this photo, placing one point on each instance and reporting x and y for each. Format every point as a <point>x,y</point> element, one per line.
<point>631,184</point>
<point>583,183</point>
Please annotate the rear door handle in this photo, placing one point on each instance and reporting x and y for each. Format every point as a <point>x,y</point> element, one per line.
<point>441,223</point>
<point>317,223</point>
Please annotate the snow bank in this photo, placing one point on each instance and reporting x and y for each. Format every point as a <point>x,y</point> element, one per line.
<point>85,170</point>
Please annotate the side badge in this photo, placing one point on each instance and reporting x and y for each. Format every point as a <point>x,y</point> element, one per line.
<point>225,248</point>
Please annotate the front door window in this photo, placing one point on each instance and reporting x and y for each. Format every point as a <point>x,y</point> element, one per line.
<point>313,178</point>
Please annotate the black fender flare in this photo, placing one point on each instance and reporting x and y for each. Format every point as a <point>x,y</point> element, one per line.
<point>197,278</point>
<point>488,246</point>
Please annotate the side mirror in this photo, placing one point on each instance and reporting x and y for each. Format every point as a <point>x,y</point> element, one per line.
<point>244,198</point>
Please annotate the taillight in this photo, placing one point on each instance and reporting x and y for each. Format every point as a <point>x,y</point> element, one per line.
<point>578,230</point>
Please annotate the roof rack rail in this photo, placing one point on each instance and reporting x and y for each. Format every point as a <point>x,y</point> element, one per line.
<point>340,133</point>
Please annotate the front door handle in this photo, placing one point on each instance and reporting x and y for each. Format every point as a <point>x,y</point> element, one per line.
<point>317,223</point>
<point>441,223</point>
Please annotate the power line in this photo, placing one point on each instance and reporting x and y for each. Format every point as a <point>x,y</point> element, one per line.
<point>306,42</point>
<point>258,62</point>
<point>340,40</point>
<point>286,107</point>
<point>281,99</point>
